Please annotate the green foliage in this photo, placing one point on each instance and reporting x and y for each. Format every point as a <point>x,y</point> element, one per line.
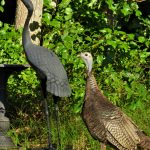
<point>117,35</point>
<point>12,53</point>
<point>1,5</point>
<point>121,58</point>
<point>10,41</point>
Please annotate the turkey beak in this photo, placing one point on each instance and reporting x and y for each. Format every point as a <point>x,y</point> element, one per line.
<point>79,55</point>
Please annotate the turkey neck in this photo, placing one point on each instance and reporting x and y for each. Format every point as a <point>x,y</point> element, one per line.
<point>96,97</point>
<point>91,83</point>
<point>92,88</point>
<point>26,39</point>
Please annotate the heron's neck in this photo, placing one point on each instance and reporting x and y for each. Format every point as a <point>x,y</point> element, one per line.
<point>26,39</point>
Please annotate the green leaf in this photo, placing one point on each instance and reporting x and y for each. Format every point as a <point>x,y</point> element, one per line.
<point>68,42</point>
<point>138,13</point>
<point>1,24</point>
<point>68,11</point>
<point>47,18</point>
<point>112,6</point>
<point>100,59</point>
<point>112,43</point>
<point>143,56</point>
<point>64,3</point>
<point>131,36</point>
<point>126,10</point>
<point>106,30</point>
<point>55,23</point>
<point>1,9</point>
<point>88,38</point>
<point>2,2</point>
<point>141,39</point>
<point>92,3</point>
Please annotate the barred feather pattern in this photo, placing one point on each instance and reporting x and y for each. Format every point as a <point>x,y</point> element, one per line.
<point>106,122</point>
<point>122,133</point>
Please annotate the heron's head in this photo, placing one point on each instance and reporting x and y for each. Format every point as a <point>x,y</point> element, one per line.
<point>88,59</point>
<point>28,4</point>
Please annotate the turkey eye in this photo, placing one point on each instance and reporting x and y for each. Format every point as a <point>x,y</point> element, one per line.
<point>86,54</point>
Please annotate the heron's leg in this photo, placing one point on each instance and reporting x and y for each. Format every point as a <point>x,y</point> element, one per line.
<point>56,98</point>
<point>50,147</point>
<point>102,146</point>
<point>44,93</point>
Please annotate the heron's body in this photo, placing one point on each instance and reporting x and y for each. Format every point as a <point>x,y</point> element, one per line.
<point>48,66</point>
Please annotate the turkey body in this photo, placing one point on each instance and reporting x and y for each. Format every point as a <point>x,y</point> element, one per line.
<point>105,121</point>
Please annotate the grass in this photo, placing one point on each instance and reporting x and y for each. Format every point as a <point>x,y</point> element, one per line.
<point>28,127</point>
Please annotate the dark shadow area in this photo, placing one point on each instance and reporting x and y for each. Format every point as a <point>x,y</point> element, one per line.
<point>8,16</point>
<point>144,8</point>
<point>34,26</point>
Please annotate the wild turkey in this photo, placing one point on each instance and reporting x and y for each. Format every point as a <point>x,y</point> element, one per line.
<point>105,121</point>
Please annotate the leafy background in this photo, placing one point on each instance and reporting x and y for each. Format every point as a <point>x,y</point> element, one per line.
<point>117,35</point>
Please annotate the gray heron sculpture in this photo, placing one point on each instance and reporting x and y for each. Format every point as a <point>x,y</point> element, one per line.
<point>47,65</point>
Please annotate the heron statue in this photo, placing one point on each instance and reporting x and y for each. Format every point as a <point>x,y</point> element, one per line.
<point>48,67</point>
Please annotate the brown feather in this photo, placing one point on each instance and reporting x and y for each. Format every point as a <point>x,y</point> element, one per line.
<point>106,122</point>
